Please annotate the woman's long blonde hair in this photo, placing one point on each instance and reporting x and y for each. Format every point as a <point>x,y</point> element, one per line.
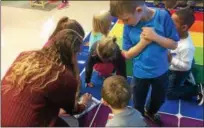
<point>49,62</point>
<point>102,22</point>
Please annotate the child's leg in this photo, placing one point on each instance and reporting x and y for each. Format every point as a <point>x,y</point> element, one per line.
<point>159,86</point>
<point>140,91</point>
<point>188,91</point>
<point>176,79</point>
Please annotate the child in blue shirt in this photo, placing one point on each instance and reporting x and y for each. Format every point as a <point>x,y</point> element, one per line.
<point>151,32</point>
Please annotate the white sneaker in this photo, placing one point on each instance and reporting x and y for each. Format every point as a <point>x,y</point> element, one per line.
<point>201,96</point>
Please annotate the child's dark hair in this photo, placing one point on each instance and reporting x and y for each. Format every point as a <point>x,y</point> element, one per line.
<point>186,15</point>
<point>107,48</point>
<point>169,4</point>
<point>116,92</point>
<point>120,7</point>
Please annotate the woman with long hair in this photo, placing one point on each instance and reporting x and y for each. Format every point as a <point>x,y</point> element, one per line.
<point>41,82</point>
<point>67,23</point>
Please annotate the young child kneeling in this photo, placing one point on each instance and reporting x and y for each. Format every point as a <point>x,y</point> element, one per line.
<point>116,95</point>
<point>181,60</point>
<point>105,51</point>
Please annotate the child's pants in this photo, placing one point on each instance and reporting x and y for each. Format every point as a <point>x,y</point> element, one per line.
<point>177,88</point>
<point>140,91</point>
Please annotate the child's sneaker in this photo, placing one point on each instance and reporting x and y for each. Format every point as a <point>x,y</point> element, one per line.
<point>154,118</point>
<point>51,1</point>
<point>201,96</point>
<point>62,5</point>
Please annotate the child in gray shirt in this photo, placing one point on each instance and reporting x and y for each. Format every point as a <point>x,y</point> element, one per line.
<point>116,95</point>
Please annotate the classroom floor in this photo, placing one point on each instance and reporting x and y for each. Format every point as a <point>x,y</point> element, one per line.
<point>175,113</point>
<point>27,29</point>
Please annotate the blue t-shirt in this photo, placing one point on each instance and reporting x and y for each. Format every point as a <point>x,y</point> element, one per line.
<point>94,37</point>
<point>152,62</point>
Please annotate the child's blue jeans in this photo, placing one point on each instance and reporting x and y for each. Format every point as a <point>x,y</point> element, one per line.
<point>177,89</point>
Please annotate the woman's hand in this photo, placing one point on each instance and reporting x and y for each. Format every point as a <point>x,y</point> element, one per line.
<point>62,112</point>
<point>86,98</point>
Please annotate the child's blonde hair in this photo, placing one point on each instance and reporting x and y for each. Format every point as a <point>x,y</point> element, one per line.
<point>102,22</point>
<point>116,92</point>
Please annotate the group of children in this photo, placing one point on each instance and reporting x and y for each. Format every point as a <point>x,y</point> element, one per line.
<point>162,52</point>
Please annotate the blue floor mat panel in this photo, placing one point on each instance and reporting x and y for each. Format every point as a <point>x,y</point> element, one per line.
<point>81,60</point>
<point>191,109</point>
<point>170,106</point>
<point>96,90</point>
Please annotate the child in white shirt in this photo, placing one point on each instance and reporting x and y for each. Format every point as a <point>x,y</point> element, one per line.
<point>181,59</point>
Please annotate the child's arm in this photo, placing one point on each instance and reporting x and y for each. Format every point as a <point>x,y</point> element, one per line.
<point>170,35</point>
<point>89,65</point>
<point>89,69</point>
<point>120,64</point>
<point>137,49</point>
<point>185,61</point>
<point>150,34</point>
<point>94,37</point>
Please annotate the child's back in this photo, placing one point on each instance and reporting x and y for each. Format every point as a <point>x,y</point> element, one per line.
<point>94,37</point>
<point>130,117</point>
<point>183,55</point>
<point>101,25</point>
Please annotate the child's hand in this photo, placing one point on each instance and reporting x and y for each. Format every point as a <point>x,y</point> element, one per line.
<point>90,85</point>
<point>145,41</point>
<point>123,53</point>
<point>149,33</point>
